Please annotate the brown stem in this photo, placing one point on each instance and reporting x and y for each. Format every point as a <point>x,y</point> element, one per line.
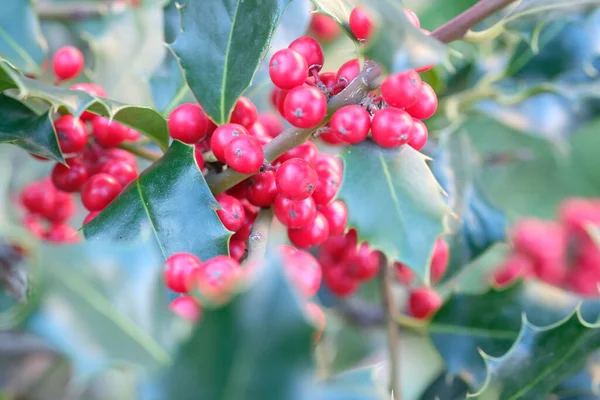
<point>78,10</point>
<point>456,28</point>
<point>141,151</point>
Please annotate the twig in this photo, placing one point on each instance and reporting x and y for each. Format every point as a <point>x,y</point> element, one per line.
<point>259,236</point>
<point>77,10</point>
<point>141,151</point>
<point>392,330</point>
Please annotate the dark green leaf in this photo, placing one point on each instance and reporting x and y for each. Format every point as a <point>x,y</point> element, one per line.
<point>255,347</point>
<point>584,382</point>
<point>171,201</point>
<point>396,44</point>
<point>446,387</point>
<point>144,119</point>
<point>389,193</point>
<point>434,16</point>
<point>220,48</point>
<point>539,359</point>
<point>22,127</point>
<point>21,41</point>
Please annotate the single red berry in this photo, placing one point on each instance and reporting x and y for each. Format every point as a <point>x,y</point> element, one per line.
<point>329,79</point>
<point>132,135</point>
<point>279,96</point>
<point>317,317</point>
<point>288,69</point>
<point>71,178</point>
<point>187,307</point>
<point>412,18</point>
<point>305,107</point>
<point>244,154</point>
<point>361,23</point>
<point>198,155</point>
<point>418,135</point>
<point>324,161</point>
<point>72,134</point>
<point>39,197</point>
<point>34,225</point>
<point>222,136</point>
<point>403,273</point>
<point>244,232</point>
<point>330,138</point>
<point>391,127</point>
<point>310,235</point>
<point>351,124</point>
<point>348,71</point>
<point>178,270</point>
<point>294,213</point>
<point>423,302</point>
<point>439,260</point>
<point>336,214</point>
<point>262,189</point>
<point>88,218</point>
<point>93,89</point>
<point>237,249</point>
<point>311,50</point>
<point>188,123</point>
<point>120,170</point>
<point>402,89</point>
<point>338,281</point>
<point>99,191</point>
<point>244,113</point>
<point>231,212</point>
<point>119,154</point>
<point>426,105</point>
<point>324,27</point>
<point>303,270</point>
<point>328,184</point>
<point>513,267</point>
<point>362,262</point>
<point>259,132</point>
<point>67,63</point>
<point>271,123</point>
<point>217,272</point>
<point>62,233</point>
<point>109,133</point>
<point>296,179</point>
<point>306,151</point>
<point>545,242</point>
<point>64,208</point>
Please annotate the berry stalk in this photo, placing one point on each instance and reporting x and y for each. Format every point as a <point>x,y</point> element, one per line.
<point>140,151</point>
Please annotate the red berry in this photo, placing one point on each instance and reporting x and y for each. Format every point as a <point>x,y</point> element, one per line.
<point>287,69</point>
<point>62,233</point>
<point>328,184</point>
<point>244,154</point>
<point>338,281</point>
<point>403,273</point>
<point>363,263</point>
<point>279,100</point>
<point>217,272</point>
<point>391,127</point>
<point>311,50</point>
<point>132,135</point>
<point>305,107</point>
<point>439,260</point>
<point>67,62</point>
<point>306,151</point>
<point>33,224</point>
<point>262,189</point>
<point>244,232</point>
<point>178,269</point>
<point>329,79</point>
<point>99,191</point>
<point>271,123</point>
<point>360,23</point>
<point>304,271</point>
<point>231,212</point>
<point>348,71</point>
<point>317,317</point>
<point>222,136</point>
<point>423,302</point>
<point>324,27</point>
<point>39,197</point>
<point>88,218</point>
<point>513,267</point>
<point>426,104</point>
<point>198,155</point>
<point>259,132</point>
<point>119,154</point>
<point>575,214</point>
<point>93,89</point>
<point>402,89</point>
<point>109,133</point>
<point>64,208</point>
<point>351,124</point>
<point>330,138</point>
<point>295,214</point>
<point>244,113</point>
<point>187,307</point>
<point>312,234</point>
<point>237,249</point>
<point>336,214</point>
<point>122,171</point>
<point>324,161</point>
<point>418,135</point>
<point>71,178</point>
<point>296,179</point>
<point>188,123</point>
<point>412,18</point>
<point>72,134</point>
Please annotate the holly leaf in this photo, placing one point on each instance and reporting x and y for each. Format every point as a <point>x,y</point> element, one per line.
<point>390,192</point>
<point>22,127</point>
<point>21,40</point>
<point>256,347</point>
<point>101,303</point>
<point>220,47</point>
<point>144,119</point>
<point>540,358</point>
<point>171,200</point>
<point>356,384</point>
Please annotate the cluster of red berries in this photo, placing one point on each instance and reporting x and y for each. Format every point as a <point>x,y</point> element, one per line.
<point>561,253</point>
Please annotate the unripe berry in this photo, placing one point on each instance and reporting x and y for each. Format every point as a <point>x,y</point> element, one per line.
<point>67,63</point>
<point>423,302</point>
<point>178,270</point>
<point>361,23</point>
<point>231,213</point>
<point>188,123</point>
<point>296,179</point>
<point>99,191</point>
<point>222,136</point>
<point>351,124</point>
<point>72,134</point>
<point>244,113</point>
<point>295,213</point>
<point>402,89</point>
<point>288,69</point>
<point>71,178</point>
<point>311,50</point>
<point>305,107</point>
<point>244,154</point>
<point>391,127</point>
<point>348,71</point>
<point>426,104</point>
<point>310,235</point>
<point>187,307</point>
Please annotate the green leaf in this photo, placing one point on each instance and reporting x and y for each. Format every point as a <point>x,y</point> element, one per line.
<point>220,47</point>
<point>389,193</point>
<point>21,41</point>
<point>256,347</point>
<point>144,119</point>
<point>22,127</point>
<point>101,304</point>
<point>396,44</point>
<point>356,384</point>
<point>171,201</point>
<point>540,358</point>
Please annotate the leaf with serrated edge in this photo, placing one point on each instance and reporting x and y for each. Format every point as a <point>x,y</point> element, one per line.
<point>219,63</point>
<point>394,202</point>
<point>146,120</point>
<point>173,201</point>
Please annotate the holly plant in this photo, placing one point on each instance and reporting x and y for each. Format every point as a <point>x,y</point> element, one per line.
<point>299,199</point>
